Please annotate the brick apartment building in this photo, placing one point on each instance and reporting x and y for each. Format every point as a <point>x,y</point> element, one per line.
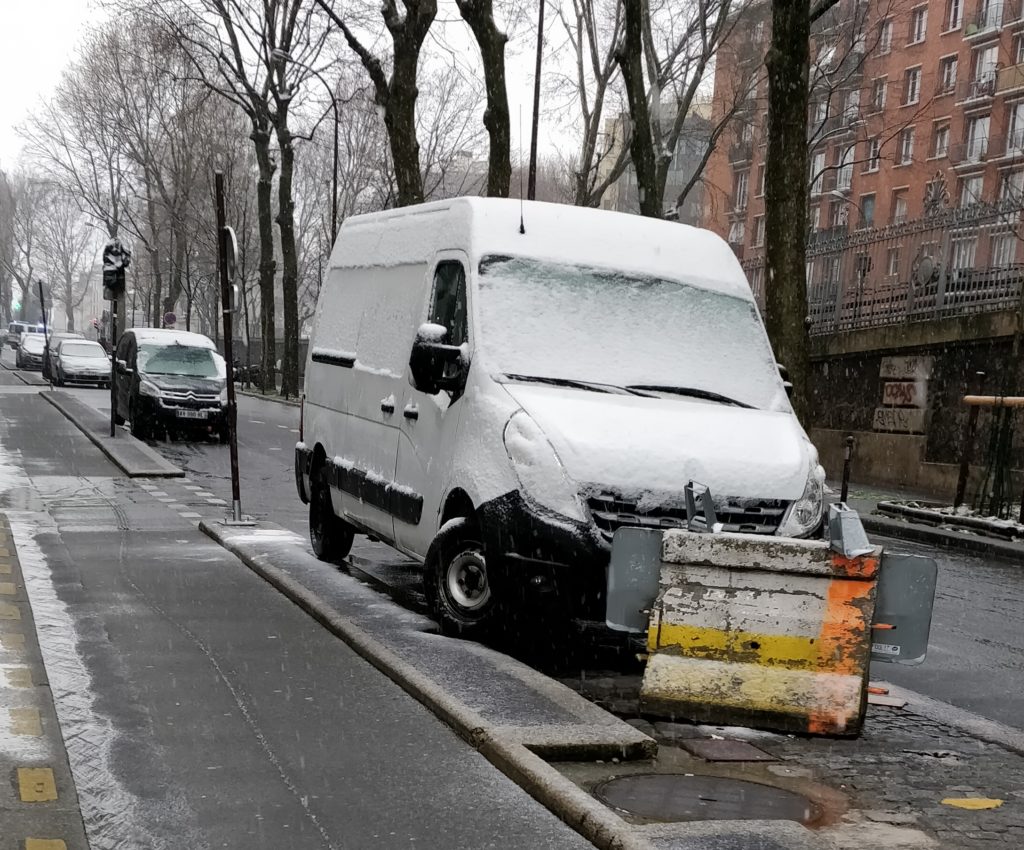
<point>917,109</point>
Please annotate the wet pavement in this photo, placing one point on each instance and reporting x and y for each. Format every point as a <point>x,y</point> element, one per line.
<point>200,707</point>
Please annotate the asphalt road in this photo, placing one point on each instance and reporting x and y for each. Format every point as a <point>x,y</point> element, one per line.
<point>200,707</point>
<point>976,654</point>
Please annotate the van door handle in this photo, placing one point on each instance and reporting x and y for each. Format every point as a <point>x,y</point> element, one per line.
<point>411,412</point>
<point>387,406</point>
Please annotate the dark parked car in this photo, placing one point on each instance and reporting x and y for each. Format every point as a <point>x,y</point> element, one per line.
<point>167,380</point>
<point>80,361</point>
<point>30,352</point>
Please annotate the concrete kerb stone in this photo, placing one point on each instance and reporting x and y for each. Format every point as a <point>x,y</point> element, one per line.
<point>957,541</point>
<point>565,799</point>
<point>157,466</point>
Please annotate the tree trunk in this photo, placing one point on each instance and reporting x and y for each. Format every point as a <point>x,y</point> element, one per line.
<point>268,266</point>
<point>788,63</point>
<point>479,15</point>
<point>400,120</point>
<point>174,285</point>
<point>641,145</point>
<point>289,260</point>
<point>69,311</point>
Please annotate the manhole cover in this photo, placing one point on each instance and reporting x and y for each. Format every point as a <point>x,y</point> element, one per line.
<point>675,797</point>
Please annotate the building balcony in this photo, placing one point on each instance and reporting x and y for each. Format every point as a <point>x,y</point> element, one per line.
<point>741,151</point>
<point>976,152</point>
<point>1009,147</point>
<point>980,88</point>
<point>1010,78</point>
<point>987,21</point>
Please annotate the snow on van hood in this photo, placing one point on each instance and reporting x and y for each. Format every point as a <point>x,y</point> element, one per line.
<point>633,444</point>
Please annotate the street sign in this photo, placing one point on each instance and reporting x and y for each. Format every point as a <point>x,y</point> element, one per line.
<point>231,249</point>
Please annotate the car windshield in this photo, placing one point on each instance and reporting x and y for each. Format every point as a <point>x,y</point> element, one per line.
<point>34,343</point>
<point>178,359</point>
<point>556,322</point>
<point>82,349</point>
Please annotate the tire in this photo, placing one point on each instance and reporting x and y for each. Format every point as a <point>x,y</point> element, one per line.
<point>458,587</point>
<point>330,536</point>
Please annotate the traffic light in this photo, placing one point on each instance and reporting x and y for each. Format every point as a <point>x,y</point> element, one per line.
<point>116,258</point>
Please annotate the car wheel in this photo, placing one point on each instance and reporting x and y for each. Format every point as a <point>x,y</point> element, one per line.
<point>330,536</point>
<point>459,588</point>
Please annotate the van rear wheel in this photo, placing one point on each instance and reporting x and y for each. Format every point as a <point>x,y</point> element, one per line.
<point>458,586</point>
<point>330,536</point>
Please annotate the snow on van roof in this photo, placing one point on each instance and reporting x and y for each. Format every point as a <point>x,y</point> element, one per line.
<point>554,232</point>
<point>169,336</point>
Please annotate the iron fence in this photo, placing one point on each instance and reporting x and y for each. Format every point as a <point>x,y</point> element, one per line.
<point>957,262</point>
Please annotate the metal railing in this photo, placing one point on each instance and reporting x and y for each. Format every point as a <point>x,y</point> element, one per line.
<point>965,153</point>
<point>979,87</point>
<point>909,272</point>
<point>741,150</point>
<point>989,16</point>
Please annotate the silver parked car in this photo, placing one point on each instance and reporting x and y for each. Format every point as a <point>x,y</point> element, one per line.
<point>81,361</point>
<point>30,351</point>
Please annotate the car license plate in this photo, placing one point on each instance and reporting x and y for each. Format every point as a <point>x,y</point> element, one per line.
<point>191,414</point>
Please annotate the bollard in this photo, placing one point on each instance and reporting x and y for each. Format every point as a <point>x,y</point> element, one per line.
<point>847,454</point>
<point>755,631</point>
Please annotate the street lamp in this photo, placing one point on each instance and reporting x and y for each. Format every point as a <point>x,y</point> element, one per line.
<point>283,56</point>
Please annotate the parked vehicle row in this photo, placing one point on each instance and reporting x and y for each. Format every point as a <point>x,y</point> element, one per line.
<point>495,400</point>
<point>17,330</point>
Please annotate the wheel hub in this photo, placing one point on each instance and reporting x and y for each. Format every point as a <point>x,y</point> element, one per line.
<point>467,581</point>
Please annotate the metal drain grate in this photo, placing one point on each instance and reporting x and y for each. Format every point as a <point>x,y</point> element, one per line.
<point>676,797</point>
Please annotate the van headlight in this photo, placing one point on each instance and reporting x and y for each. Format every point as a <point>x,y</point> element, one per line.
<point>541,475</point>
<point>148,388</point>
<point>804,514</point>
<point>224,397</point>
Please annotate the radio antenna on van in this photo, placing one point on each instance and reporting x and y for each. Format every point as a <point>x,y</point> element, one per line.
<point>522,225</point>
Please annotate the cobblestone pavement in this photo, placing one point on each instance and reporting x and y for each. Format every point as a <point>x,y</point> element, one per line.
<point>890,781</point>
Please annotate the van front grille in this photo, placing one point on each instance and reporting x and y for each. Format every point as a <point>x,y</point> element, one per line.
<point>749,516</point>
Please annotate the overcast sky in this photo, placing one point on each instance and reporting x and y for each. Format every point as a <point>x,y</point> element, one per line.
<point>37,39</point>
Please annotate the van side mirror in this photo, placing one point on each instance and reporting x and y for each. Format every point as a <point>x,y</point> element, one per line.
<point>434,365</point>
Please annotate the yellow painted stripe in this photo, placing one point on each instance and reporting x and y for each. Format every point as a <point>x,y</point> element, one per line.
<point>7,588</point>
<point>25,721</point>
<point>12,640</point>
<point>45,844</point>
<point>794,652</point>
<point>36,785</point>
<point>19,677</point>
<point>9,611</point>
<point>5,569</point>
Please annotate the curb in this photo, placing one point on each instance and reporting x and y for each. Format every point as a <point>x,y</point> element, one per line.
<point>274,398</point>
<point>560,795</point>
<point>940,537</point>
<point>161,469</point>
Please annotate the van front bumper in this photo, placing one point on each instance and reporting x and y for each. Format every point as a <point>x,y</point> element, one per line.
<point>303,456</point>
<point>534,555</point>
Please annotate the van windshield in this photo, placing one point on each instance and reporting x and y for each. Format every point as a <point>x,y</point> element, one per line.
<point>571,323</point>
<point>177,359</point>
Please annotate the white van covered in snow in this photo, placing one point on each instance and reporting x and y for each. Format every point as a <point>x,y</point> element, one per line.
<point>496,403</point>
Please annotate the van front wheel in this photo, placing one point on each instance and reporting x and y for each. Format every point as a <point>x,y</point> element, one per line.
<point>330,536</point>
<point>458,586</point>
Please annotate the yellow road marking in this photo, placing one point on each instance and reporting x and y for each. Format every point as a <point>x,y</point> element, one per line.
<point>12,640</point>
<point>9,611</point>
<point>5,569</point>
<point>19,677</point>
<point>7,588</point>
<point>36,785</point>
<point>25,721</point>
<point>45,844</point>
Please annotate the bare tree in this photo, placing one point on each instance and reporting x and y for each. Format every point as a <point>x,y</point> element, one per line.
<point>7,251</point>
<point>27,196</point>
<point>66,245</point>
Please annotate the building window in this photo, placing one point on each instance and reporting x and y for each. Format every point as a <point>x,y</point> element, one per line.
<point>956,14</point>
<point>1018,50</point>
<point>758,231</point>
<point>918,24</point>
<point>885,36</point>
<point>815,217</point>
<point>874,158</point>
<point>977,139</point>
<point>985,62</point>
<point>740,186</point>
<point>851,110</point>
<point>991,14</point>
<point>760,180</point>
<point>867,210</point>
<point>911,86</point>
<point>837,214</point>
<point>737,233</point>
<point>1004,250</point>
<point>817,173</point>
<point>747,132</point>
<point>899,206</point>
<point>940,142</point>
<point>964,250</point>
<point>970,190</point>
<point>947,74</point>
<point>878,88</point>
<point>1015,140</point>
<point>1011,187</point>
<point>906,146</point>
<point>820,112</point>
<point>892,261</point>
<point>844,178</point>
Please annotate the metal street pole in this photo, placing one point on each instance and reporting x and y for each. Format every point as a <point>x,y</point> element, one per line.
<point>113,361</point>
<point>531,186</point>
<point>225,296</point>
<point>46,335</point>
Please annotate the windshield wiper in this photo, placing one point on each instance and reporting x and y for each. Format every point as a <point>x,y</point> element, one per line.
<point>693,392</point>
<point>579,385</point>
